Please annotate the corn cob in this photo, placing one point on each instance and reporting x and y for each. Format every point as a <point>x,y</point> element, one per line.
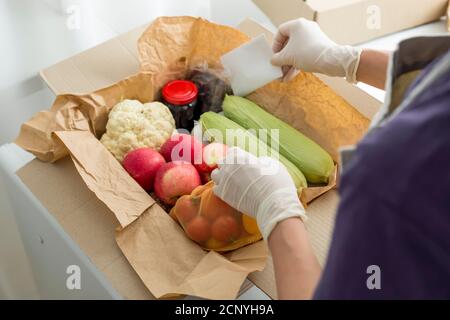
<point>315,163</point>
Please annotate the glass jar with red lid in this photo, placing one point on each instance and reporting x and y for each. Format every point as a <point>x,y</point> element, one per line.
<point>180,96</point>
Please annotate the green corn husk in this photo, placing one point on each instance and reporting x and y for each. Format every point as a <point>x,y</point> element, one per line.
<point>215,125</point>
<point>315,163</point>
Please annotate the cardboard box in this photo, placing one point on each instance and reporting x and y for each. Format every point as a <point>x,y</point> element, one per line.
<point>89,222</point>
<point>448,17</point>
<point>356,21</point>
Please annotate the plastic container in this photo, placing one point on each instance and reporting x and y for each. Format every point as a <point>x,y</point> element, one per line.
<point>213,85</point>
<point>180,96</point>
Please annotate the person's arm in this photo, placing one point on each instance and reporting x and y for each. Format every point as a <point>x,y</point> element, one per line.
<point>244,182</point>
<point>372,68</point>
<point>297,271</point>
<point>301,45</point>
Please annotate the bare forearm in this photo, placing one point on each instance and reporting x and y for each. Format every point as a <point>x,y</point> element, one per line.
<point>373,68</point>
<point>297,270</point>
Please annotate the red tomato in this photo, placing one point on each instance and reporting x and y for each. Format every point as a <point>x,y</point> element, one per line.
<point>225,228</point>
<point>213,207</point>
<point>186,208</point>
<point>198,229</point>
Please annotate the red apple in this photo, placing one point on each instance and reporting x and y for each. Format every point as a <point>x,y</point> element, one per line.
<point>182,147</point>
<point>198,229</point>
<point>175,179</point>
<point>212,154</point>
<point>142,165</point>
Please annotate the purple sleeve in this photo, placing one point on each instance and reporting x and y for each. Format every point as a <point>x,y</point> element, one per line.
<point>394,212</point>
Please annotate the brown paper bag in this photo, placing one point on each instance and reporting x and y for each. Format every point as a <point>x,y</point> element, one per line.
<point>165,259</point>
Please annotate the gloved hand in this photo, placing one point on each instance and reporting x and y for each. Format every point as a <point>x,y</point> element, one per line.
<point>259,187</point>
<point>301,45</point>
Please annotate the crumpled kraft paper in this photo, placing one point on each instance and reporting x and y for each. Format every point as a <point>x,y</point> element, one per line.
<point>156,247</point>
<point>105,176</point>
<point>84,113</point>
<point>173,45</point>
<point>168,262</point>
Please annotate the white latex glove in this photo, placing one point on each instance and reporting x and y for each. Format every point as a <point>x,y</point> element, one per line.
<point>301,45</point>
<point>259,187</point>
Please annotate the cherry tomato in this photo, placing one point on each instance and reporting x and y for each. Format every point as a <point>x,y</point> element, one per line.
<point>213,207</point>
<point>186,209</point>
<point>198,229</point>
<point>225,228</point>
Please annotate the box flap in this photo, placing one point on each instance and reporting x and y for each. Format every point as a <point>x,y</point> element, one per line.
<point>97,67</point>
<point>366,104</point>
<point>287,10</point>
<point>324,5</point>
<point>253,29</point>
<point>448,16</point>
<point>362,20</point>
<point>355,21</point>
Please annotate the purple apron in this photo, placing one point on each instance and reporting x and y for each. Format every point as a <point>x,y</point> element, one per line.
<point>392,231</point>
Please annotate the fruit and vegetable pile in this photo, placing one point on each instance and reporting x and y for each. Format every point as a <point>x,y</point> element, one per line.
<point>175,168</point>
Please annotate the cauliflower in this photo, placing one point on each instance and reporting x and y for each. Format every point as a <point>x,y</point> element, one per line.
<point>134,125</point>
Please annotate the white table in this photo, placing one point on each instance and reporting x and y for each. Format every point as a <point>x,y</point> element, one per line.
<point>37,26</point>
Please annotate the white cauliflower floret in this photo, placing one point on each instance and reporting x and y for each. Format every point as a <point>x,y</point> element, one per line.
<point>134,125</point>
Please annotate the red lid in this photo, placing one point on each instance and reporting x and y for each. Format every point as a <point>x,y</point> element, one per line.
<point>180,92</point>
